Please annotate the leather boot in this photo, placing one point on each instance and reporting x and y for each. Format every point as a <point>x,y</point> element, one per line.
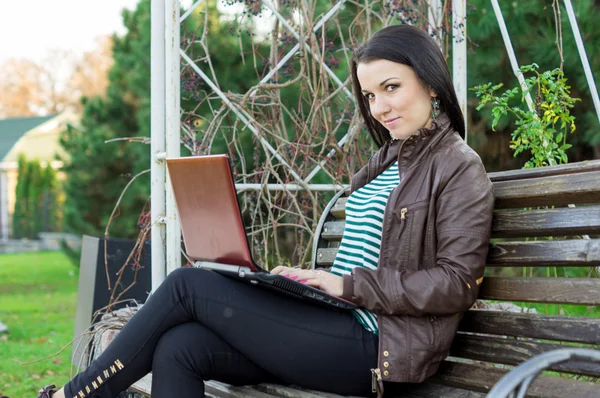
<point>47,391</point>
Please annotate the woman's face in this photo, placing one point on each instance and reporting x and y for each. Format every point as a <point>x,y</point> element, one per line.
<point>396,97</point>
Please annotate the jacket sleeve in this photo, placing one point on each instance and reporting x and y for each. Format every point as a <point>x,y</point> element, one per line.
<point>464,209</point>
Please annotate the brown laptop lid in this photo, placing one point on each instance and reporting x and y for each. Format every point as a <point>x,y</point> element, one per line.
<point>206,200</point>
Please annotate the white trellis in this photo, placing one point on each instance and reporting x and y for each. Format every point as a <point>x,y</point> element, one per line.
<point>165,105</point>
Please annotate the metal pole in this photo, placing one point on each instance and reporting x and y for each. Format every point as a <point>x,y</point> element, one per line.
<point>459,55</point>
<point>173,127</point>
<point>157,140</point>
<point>289,187</point>
<point>584,59</point>
<point>511,54</point>
<point>190,10</point>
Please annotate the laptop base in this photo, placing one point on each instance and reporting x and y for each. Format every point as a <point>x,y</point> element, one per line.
<point>279,284</point>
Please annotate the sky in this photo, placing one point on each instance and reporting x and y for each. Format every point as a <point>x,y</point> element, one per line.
<point>33,28</point>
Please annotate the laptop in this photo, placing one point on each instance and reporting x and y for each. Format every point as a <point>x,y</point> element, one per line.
<point>213,228</point>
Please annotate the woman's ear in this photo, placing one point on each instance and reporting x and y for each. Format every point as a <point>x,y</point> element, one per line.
<point>432,93</point>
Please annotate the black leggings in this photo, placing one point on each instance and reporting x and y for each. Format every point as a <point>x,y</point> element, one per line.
<point>200,325</point>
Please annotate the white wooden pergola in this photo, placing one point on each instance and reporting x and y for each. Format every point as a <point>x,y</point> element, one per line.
<point>166,55</point>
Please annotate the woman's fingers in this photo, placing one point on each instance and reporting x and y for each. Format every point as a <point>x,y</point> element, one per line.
<point>322,280</point>
<point>293,273</point>
<point>331,284</point>
<point>301,274</point>
<point>279,269</point>
<point>312,283</point>
<point>317,279</point>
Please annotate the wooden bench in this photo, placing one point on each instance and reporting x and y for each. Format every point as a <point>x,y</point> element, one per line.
<point>546,217</point>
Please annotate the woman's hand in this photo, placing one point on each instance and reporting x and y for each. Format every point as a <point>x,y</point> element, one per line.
<point>323,280</point>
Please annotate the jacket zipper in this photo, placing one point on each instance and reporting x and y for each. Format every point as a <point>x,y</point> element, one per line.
<point>403,212</point>
<point>376,382</point>
<point>432,320</point>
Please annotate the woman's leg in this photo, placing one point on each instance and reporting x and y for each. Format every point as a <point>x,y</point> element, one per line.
<point>299,343</point>
<point>190,353</point>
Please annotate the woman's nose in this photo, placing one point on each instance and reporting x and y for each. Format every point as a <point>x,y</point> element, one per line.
<point>379,108</point>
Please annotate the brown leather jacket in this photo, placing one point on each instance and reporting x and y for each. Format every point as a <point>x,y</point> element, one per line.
<point>435,239</point>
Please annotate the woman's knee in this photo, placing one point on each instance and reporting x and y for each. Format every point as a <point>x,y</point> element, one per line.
<point>174,347</point>
<point>186,277</point>
<point>190,347</point>
<point>178,274</point>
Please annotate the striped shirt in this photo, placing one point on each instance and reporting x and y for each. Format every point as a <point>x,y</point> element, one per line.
<point>361,240</point>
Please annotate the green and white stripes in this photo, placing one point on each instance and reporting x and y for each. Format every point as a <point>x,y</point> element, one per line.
<point>361,240</point>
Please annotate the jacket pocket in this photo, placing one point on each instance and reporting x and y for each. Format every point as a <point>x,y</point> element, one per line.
<point>410,226</point>
<point>445,328</point>
<point>434,329</point>
<point>423,347</point>
<point>407,213</point>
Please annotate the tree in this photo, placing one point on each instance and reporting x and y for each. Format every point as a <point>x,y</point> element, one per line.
<point>89,77</point>
<point>56,83</point>
<point>20,213</point>
<point>51,203</point>
<point>22,94</point>
<point>34,199</point>
<point>37,208</point>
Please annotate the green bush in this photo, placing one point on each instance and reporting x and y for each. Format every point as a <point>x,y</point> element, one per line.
<point>37,208</point>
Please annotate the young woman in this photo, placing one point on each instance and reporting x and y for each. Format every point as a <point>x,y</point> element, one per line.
<point>412,257</point>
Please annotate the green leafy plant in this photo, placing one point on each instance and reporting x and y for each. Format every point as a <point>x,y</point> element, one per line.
<point>542,131</point>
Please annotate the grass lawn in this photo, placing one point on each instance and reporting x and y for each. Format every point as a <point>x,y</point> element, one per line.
<point>38,292</point>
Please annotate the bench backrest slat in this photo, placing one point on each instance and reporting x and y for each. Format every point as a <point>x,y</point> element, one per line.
<point>514,352</point>
<point>563,169</point>
<point>525,254</point>
<point>536,326</point>
<point>548,191</point>
<point>564,221</point>
<point>545,253</point>
<point>541,253</point>
<point>542,290</point>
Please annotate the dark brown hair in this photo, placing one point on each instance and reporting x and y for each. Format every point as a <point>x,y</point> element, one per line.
<point>413,47</point>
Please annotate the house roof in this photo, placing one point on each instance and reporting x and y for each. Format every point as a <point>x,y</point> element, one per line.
<point>13,129</point>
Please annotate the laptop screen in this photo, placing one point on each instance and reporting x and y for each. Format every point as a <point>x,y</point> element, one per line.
<point>211,222</point>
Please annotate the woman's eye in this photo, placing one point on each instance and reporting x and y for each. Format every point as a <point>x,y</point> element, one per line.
<point>391,87</point>
<point>369,97</point>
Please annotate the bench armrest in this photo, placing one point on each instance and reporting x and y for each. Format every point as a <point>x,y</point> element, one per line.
<point>324,217</point>
<point>517,381</point>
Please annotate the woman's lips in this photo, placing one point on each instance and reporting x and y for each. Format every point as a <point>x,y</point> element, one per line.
<point>389,122</point>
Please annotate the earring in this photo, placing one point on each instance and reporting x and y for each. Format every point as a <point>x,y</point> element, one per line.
<point>435,105</point>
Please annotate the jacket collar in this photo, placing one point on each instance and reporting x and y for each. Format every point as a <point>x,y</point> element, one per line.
<point>408,152</point>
